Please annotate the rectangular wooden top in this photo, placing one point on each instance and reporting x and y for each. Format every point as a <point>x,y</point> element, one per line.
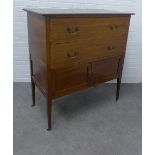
<point>48,11</point>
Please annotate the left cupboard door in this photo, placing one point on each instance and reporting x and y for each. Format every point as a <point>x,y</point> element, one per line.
<point>74,78</point>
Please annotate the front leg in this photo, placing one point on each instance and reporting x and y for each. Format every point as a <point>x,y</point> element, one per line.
<point>49,112</point>
<point>32,82</point>
<point>118,88</point>
<point>33,92</point>
<point>119,77</point>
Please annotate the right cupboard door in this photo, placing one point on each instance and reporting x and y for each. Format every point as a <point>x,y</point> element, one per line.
<point>105,70</point>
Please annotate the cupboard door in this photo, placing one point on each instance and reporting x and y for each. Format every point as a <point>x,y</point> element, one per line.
<point>71,79</point>
<point>105,70</point>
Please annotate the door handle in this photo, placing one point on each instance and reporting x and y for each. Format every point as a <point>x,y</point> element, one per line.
<point>88,73</point>
<point>90,76</point>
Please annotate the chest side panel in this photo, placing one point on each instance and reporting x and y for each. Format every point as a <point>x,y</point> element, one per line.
<point>37,49</point>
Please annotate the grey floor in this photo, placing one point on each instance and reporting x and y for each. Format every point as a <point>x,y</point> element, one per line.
<point>90,122</point>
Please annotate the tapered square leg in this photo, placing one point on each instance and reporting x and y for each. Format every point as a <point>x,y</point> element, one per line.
<point>49,113</point>
<point>33,93</point>
<point>118,88</point>
<point>32,83</point>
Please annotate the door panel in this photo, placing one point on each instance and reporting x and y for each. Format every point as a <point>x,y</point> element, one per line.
<point>70,79</point>
<point>105,70</point>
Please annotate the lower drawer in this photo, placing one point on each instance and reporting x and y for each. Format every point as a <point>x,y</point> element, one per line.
<point>63,55</point>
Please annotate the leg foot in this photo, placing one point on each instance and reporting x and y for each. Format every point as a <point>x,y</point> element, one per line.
<point>49,129</point>
<point>49,113</point>
<point>118,88</point>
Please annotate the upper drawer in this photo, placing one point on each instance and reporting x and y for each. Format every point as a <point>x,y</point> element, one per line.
<point>72,29</point>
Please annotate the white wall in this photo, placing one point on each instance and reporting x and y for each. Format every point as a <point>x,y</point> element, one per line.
<point>133,61</point>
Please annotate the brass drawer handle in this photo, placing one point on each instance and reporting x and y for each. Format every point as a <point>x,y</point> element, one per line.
<point>113,27</point>
<point>72,31</point>
<point>116,26</point>
<point>75,55</point>
<point>111,48</point>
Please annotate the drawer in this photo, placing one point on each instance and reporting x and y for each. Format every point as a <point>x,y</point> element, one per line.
<point>73,29</point>
<point>63,55</point>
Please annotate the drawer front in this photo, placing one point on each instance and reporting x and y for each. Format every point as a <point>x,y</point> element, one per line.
<point>73,29</point>
<point>64,55</point>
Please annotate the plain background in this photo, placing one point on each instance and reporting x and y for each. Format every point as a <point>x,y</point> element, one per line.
<point>132,72</point>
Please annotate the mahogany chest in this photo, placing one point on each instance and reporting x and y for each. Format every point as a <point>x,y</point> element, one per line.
<point>71,50</point>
